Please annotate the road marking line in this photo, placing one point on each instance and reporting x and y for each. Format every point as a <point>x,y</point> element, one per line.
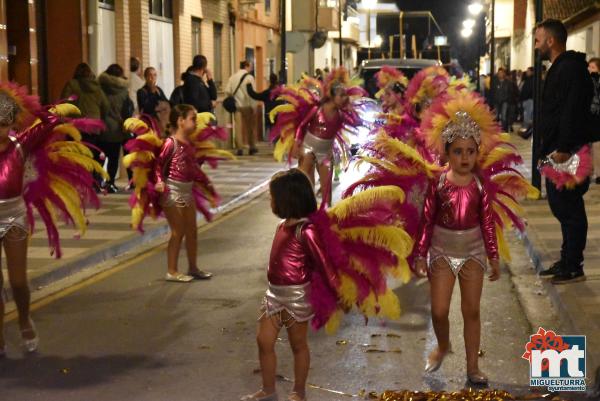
<point>40,303</point>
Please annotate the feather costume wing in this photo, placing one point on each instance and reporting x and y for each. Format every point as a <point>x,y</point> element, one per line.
<point>365,243</point>
<point>59,182</point>
<point>143,150</point>
<point>570,173</point>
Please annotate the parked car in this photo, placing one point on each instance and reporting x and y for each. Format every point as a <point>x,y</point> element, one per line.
<point>409,67</point>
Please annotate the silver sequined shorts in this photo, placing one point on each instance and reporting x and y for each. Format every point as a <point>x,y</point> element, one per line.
<point>179,194</point>
<point>291,298</point>
<point>456,247</point>
<point>321,148</point>
<point>13,213</point>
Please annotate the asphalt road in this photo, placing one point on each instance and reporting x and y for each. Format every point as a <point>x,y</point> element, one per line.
<point>129,335</point>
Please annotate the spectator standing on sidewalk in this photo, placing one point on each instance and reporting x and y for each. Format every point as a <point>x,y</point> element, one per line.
<point>566,99</point>
<point>245,121</point>
<point>135,81</point>
<point>199,88</point>
<point>526,97</point>
<point>265,97</point>
<point>116,88</point>
<point>502,90</point>
<point>152,100</point>
<point>594,69</point>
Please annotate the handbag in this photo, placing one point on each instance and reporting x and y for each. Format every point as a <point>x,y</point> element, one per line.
<point>229,101</point>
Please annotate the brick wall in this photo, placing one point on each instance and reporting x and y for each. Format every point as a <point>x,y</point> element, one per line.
<point>138,28</point>
<point>122,34</point>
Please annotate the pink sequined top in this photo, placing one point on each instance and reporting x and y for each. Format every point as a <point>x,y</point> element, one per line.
<point>319,125</point>
<point>297,251</point>
<point>182,165</point>
<point>456,207</point>
<point>12,161</point>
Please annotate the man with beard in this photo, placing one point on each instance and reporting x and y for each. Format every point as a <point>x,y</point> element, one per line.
<point>565,106</point>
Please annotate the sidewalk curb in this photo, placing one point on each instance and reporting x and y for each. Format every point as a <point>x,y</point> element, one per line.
<point>593,377</point>
<point>103,254</point>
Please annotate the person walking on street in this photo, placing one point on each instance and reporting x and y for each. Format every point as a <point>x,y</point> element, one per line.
<point>594,69</point>
<point>135,82</point>
<point>265,97</point>
<point>116,87</point>
<point>502,91</point>
<point>566,99</point>
<point>245,121</point>
<point>526,97</point>
<point>199,88</point>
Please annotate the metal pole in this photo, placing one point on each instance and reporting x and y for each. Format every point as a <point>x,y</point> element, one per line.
<point>283,64</point>
<point>493,53</point>
<point>401,48</point>
<point>536,179</point>
<point>341,54</point>
<point>369,32</point>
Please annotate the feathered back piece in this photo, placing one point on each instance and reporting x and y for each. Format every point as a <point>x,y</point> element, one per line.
<point>59,184</point>
<point>365,243</point>
<point>144,150</point>
<point>16,105</point>
<point>388,77</point>
<point>301,99</point>
<point>464,114</point>
<point>425,87</point>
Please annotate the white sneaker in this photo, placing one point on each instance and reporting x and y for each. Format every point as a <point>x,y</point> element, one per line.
<point>178,277</point>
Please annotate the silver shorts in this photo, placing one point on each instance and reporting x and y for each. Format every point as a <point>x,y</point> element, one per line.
<point>13,213</point>
<point>457,247</point>
<point>177,194</point>
<point>291,298</point>
<point>321,148</point>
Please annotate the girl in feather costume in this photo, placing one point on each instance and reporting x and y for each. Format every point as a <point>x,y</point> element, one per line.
<point>465,210</point>
<point>322,264</point>
<point>45,167</point>
<point>313,120</point>
<point>168,179</point>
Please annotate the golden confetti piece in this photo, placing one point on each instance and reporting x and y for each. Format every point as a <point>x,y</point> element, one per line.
<point>204,347</point>
<point>341,342</point>
<point>392,335</point>
<point>375,335</point>
<point>65,371</point>
<point>481,353</point>
<point>376,350</point>
<point>464,395</point>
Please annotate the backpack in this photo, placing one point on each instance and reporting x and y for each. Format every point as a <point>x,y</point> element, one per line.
<point>229,101</point>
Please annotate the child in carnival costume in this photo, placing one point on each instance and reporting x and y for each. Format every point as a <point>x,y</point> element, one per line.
<point>322,264</point>
<point>310,126</point>
<point>466,208</point>
<point>43,165</point>
<point>168,179</point>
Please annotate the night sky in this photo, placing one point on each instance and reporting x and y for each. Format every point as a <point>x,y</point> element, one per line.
<point>449,14</point>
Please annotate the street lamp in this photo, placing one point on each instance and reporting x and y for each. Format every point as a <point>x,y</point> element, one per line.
<point>475,8</point>
<point>469,23</point>
<point>369,5</point>
<point>466,32</point>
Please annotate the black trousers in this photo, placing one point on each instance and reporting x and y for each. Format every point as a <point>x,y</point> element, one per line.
<point>111,150</point>
<point>568,207</point>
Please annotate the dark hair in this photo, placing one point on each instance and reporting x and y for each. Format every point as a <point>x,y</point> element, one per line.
<point>134,64</point>
<point>555,28</point>
<point>199,62</point>
<point>273,79</point>
<point>292,194</point>
<point>595,60</point>
<point>181,110</point>
<point>115,70</point>
<point>83,70</point>
<point>244,64</point>
<point>147,71</point>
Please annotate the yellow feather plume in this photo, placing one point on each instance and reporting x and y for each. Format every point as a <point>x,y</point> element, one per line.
<point>334,321</point>
<point>70,198</point>
<point>283,147</point>
<point>392,238</point>
<point>65,110</point>
<point>133,124</point>
<point>503,249</point>
<point>68,129</point>
<point>362,201</point>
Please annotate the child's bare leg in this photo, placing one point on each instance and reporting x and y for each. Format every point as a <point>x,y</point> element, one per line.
<point>471,283</point>
<point>268,328</point>
<point>306,163</point>
<point>176,222</point>
<point>441,283</point>
<point>298,336</point>
<point>325,180</point>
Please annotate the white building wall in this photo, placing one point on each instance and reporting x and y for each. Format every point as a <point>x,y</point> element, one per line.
<point>586,40</point>
<point>522,48</point>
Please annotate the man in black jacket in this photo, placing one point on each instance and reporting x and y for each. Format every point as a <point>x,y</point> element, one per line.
<point>199,89</point>
<point>565,106</point>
